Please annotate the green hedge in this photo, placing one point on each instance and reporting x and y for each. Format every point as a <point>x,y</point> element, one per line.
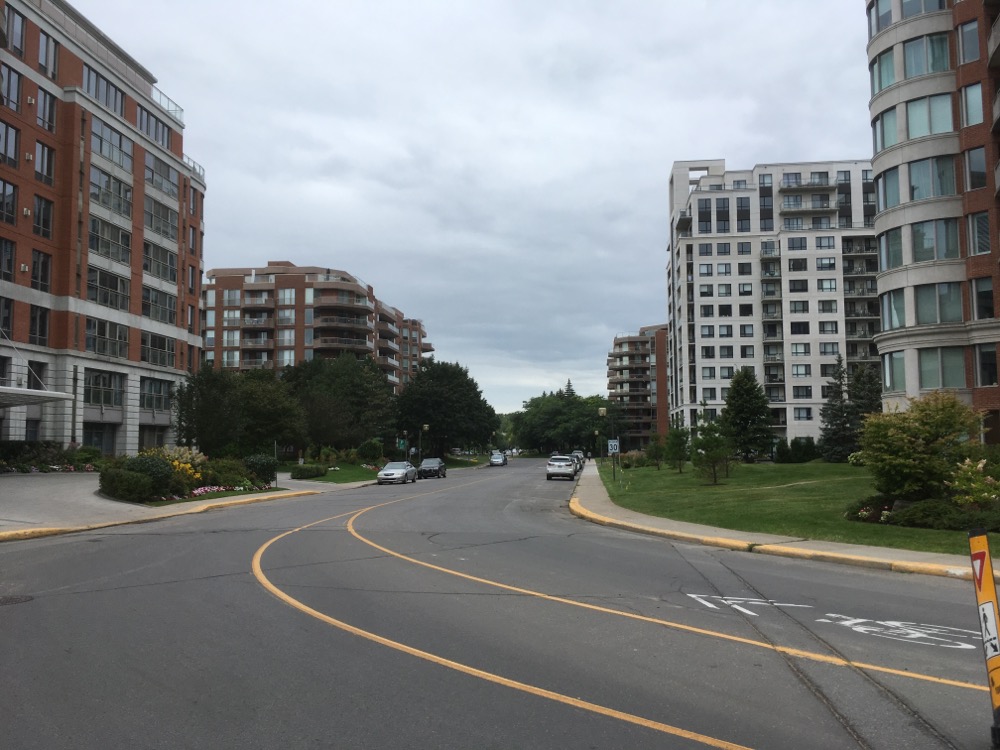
<point>130,486</point>
<point>308,471</point>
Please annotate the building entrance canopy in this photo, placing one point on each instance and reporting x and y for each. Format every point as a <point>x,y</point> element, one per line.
<point>10,397</point>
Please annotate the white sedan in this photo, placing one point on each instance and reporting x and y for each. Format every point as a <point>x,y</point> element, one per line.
<point>399,472</point>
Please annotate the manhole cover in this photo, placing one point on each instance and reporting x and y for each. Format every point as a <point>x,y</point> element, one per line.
<point>14,599</point>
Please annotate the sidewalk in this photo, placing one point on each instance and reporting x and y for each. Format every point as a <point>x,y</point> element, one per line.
<point>36,505</point>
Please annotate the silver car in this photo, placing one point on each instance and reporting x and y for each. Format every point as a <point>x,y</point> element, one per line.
<point>399,472</point>
<point>560,466</point>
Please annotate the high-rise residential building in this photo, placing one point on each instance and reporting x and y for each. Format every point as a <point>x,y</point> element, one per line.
<point>637,377</point>
<point>935,114</point>
<point>283,314</point>
<point>771,268</point>
<point>101,237</point>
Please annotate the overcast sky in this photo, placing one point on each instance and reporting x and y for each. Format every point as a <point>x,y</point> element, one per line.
<point>498,169</point>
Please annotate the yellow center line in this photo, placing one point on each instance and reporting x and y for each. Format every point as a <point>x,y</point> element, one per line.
<point>464,668</point>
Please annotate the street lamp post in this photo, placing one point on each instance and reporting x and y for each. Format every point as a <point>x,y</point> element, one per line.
<point>420,447</point>
<point>603,412</point>
<point>406,447</point>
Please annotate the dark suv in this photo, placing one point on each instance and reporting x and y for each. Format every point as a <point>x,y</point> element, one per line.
<point>432,467</point>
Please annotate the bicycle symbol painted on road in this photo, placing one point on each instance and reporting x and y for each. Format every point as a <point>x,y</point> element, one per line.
<point>897,630</point>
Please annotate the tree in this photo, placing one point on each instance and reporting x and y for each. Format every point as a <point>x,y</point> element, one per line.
<point>839,424</point>
<point>864,392</point>
<point>746,418</point>
<point>656,450</point>
<point>271,414</point>
<point>561,421</point>
<point>444,397</point>
<point>912,454</point>
<point>676,448</point>
<point>710,448</point>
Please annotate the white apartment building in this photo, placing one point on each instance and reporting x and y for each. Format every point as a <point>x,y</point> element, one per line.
<point>771,268</point>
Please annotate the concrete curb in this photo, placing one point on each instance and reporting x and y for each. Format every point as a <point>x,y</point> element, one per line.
<point>778,550</point>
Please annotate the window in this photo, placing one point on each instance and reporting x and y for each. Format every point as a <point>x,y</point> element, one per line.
<point>986,364</point>
<point>975,168</point>
<point>932,177</point>
<point>44,209</point>
<point>41,270</point>
<point>799,328</point>
<point>10,90</point>
<point>742,248</point>
<point>745,290</point>
<point>152,126</point>
<point>798,286</point>
<point>982,298</point>
<point>883,72</point>
<point>48,55</point>
<point>154,394</point>
<point>110,339</point>
<point>746,352</point>
<point>827,371</point>
<point>802,391</point>
<point>159,305</point>
<point>231,297</point>
<point>111,144</point>
<point>9,144</point>
<point>14,29</point>
<point>744,269</point>
<point>725,332</point>
<point>161,175</point>
<point>103,388</point>
<point>726,373</point>
<point>725,311</point>
<point>829,348</point>
<point>110,240</point>
<point>979,234</point>
<point>746,310</point>
<point>724,269</point>
<point>798,264</point>
<point>110,192</point>
<point>916,7</point>
<point>46,110</point>
<point>828,326</point>
<point>161,219</point>
<point>746,331</point>
<point>704,249</point>
<point>45,158</point>
<point>8,202</point>
<point>893,310</point>
<point>764,180</point>
<point>797,243</point>
<point>826,285</point>
<point>156,349</point>
<point>938,303</point>
<point>826,264</point>
<point>938,240</point>
<point>704,269</point>
<point>972,105</point>
<point>890,248</point>
<point>927,54</point>
<point>929,116</point>
<point>708,332</point>
<point>705,290</point>
<point>942,368</point>
<point>968,42</point>
<point>38,326</point>
<point>827,305</point>
<point>6,325</point>
<point>801,371</point>
<point>887,189</point>
<point>708,352</point>
<point>826,243</point>
<point>107,289</point>
<point>7,252</point>
<point>708,394</point>
<point>801,350</point>
<point>708,373</point>
<point>725,290</point>
<point>803,413</point>
<point>884,133</point>
<point>793,223</point>
<point>798,306</point>
<point>102,90</point>
<point>726,352</point>
<point>159,261</point>
<point>707,311</point>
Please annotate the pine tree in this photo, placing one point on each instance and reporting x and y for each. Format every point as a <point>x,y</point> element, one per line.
<point>746,418</point>
<point>710,448</point>
<point>838,431</point>
<point>864,391</point>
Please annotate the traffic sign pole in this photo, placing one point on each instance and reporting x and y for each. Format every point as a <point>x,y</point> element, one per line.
<point>986,599</point>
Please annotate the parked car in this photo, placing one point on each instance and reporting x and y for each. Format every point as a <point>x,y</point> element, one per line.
<point>560,466</point>
<point>397,472</point>
<point>580,457</point>
<point>498,459</point>
<point>432,467</point>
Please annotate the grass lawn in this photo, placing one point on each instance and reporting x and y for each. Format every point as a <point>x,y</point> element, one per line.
<point>803,500</point>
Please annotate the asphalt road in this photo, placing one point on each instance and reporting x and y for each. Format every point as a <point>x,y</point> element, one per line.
<point>469,612</point>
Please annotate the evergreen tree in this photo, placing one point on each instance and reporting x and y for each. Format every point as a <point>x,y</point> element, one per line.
<point>710,448</point>
<point>864,392</point>
<point>838,429</point>
<point>677,444</point>
<point>746,418</point>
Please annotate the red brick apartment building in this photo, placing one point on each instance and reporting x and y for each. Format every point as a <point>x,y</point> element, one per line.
<point>101,237</point>
<point>935,112</point>
<point>637,377</point>
<point>283,314</point>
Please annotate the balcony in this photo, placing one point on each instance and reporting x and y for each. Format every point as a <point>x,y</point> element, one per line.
<point>771,293</point>
<point>258,321</point>
<point>342,343</point>
<point>257,364</point>
<point>258,301</point>
<point>683,220</point>
<point>775,357</point>
<point>860,269</point>
<point>342,303</point>
<point>793,184</point>
<point>343,321</point>
<point>993,44</point>
<point>257,343</point>
<point>770,253</point>
<point>390,362</point>
<point>807,207</point>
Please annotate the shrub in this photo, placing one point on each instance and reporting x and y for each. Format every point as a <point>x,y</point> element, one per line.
<point>876,509</point>
<point>224,472</point>
<point>157,468</point>
<point>262,467</point>
<point>308,471</point>
<point>931,514</point>
<point>130,486</point>
<point>371,450</point>
<point>803,450</point>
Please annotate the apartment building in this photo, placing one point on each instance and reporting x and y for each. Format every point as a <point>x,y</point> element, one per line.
<point>637,376</point>
<point>935,114</point>
<point>101,237</point>
<point>771,268</point>
<point>282,314</point>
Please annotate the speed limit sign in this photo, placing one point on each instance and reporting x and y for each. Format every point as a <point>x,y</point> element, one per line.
<point>612,446</point>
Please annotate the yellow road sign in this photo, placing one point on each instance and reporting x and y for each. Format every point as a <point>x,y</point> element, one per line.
<point>986,598</point>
